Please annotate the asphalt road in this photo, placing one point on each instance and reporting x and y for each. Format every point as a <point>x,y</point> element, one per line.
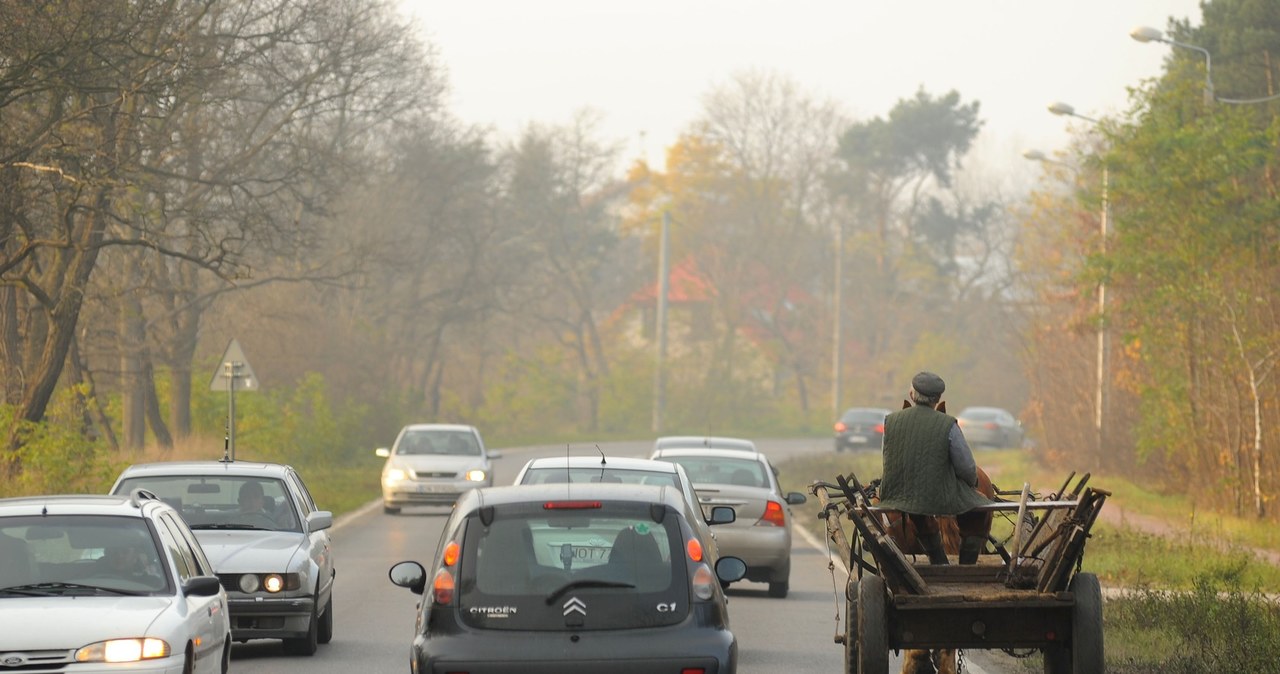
<point>374,619</point>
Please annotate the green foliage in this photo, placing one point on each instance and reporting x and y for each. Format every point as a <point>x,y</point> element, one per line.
<point>57,457</point>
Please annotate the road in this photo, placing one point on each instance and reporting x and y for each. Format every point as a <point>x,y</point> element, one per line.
<point>374,619</point>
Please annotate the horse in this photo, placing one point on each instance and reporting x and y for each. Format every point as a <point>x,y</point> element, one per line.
<point>903,533</point>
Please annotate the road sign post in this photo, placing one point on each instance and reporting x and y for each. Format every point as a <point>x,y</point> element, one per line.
<point>233,372</point>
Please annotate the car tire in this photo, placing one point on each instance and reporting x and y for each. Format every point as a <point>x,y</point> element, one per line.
<point>778,590</point>
<point>188,662</point>
<point>390,510</point>
<point>324,634</point>
<point>308,644</point>
<point>226,655</point>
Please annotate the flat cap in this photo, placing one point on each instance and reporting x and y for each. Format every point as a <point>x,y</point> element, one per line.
<point>928,384</point>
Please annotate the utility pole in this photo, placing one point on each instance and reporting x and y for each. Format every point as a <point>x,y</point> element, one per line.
<point>837,322</point>
<point>660,325</point>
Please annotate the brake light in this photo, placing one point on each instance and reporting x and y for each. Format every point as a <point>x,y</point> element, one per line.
<point>840,427</point>
<point>773,515</point>
<point>879,428</point>
<point>702,582</point>
<point>990,425</point>
<point>451,552</point>
<point>693,670</point>
<point>571,505</point>
<point>443,586</point>
<point>694,548</point>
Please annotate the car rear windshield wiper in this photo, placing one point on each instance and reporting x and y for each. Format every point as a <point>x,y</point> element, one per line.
<point>575,584</point>
<point>247,527</point>
<point>53,589</point>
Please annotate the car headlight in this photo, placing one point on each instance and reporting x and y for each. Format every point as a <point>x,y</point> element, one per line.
<point>249,583</point>
<point>123,650</point>
<point>270,583</point>
<point>475,475</point>
<point>396,475</point>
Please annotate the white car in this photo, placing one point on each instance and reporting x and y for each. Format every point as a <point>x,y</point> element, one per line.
<point>433,464</point>
<point>702,442</point>
<point>268,542</point>
<point>98,584</point>
<point>747,482</point>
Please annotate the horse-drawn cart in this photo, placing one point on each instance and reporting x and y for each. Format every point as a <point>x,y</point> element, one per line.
<point>1027,593</point>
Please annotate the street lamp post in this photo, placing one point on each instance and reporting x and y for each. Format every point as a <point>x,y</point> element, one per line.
<point>1149,34</point>
<point>1100,379</point>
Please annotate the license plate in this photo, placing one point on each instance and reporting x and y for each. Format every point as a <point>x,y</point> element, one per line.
<point>857,438</point>
<point>428,488</point>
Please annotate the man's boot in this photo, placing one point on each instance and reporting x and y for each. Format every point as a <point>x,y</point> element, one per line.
<point>932,544</point>
<point>970,548</point>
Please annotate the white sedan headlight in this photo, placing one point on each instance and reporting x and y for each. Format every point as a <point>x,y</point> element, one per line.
<point>475,475</point>
<point>396,475</point>
<point>123,650</point>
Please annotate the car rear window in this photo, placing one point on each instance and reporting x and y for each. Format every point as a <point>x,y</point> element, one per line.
<point>722,470</point>
<point>606,475</point>
<point>980,415</point>
<point>607,566</point>
<point>863,416</point>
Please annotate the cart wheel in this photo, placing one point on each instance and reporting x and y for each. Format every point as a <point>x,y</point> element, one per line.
<point>851,629</point>
<point>1084,652</point>
<point>1086,625</point>
<point>873,628</point>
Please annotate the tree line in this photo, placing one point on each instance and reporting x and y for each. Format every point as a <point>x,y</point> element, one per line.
<point>288,172</point>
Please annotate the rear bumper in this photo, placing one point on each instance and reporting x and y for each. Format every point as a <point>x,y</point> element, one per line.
<point>766,550</point>
<point>427,493</point>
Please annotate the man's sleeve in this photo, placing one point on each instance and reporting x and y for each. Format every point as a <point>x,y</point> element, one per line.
<point>962,457</point>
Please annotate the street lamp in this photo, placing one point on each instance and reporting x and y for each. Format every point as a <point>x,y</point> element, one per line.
<point>1149,34</point>
<point>1100,388</point>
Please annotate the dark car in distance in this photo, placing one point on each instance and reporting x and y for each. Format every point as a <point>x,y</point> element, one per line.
<point>536,580</point>
<point>860,428</point>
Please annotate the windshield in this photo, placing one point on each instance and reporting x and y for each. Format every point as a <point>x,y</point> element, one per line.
<point>458,443</point>
<point>864,416</point>
<point>604,567</point>
<point>222,501</point>
<point>75,555</point>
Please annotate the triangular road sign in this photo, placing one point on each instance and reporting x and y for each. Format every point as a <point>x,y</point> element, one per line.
<point>234,363</point>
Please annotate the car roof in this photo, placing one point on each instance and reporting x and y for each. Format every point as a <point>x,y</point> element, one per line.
<point>704,451</point>
<point>880,410</point>
<point>612,462</point>
<point>230,468</point>
<point>76,504</point>
<point>982,410</point>
<point>703,441</point>
<point>438,427</point>
<point>536,493</point>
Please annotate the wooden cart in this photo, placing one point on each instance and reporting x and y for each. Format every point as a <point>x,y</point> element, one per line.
<point>1028,596</point>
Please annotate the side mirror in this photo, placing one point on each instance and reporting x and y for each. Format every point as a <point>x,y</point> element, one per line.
<point>202,586</point>
<point>383,452</point>
<point>494,454</point>
<point>723,515</point>
<point>796,498</point>
<point>409,575</point>
<point>319,520</point>
<point>730,569</point>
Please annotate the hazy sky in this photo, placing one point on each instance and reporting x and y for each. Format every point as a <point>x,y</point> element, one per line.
<point>644,66</point>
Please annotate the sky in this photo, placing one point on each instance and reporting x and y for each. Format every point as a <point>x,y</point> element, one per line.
<point>644,67</point>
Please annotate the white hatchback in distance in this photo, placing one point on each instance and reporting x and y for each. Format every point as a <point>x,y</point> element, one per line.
<point>433,464</point>
<point>98,584</point>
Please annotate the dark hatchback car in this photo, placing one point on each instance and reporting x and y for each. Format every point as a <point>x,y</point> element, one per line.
<point>860,428</point>
<point>539,580</point>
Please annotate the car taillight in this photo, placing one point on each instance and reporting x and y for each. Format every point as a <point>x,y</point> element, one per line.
<point>442,587</point>
<point>702,582</point>
<point>451,552</point>
<point>773,515</point>
<point>990,425</point>
<point>694,548</point>
<point>879,428</point>
<point>840,427</point>
<point>693,670</point>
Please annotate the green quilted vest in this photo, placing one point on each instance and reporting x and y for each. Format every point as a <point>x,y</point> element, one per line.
<point>917,476</point>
